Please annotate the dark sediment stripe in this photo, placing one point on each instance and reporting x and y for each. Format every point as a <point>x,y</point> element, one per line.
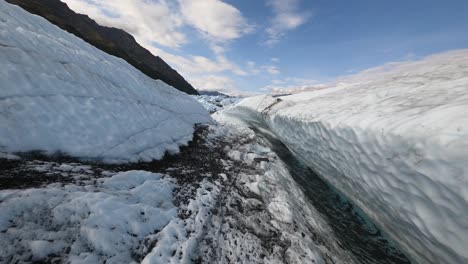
<point>353,229</point>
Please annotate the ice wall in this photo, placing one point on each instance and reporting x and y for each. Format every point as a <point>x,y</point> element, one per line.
<point>395,141</point>
<point>58,93</point>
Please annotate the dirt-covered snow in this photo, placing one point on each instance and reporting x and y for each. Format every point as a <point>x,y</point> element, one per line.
<point>225,198</point>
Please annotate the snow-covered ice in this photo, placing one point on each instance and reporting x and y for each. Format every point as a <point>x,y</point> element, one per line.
<point>136,216</point>
<point>58,93</point>
<point>8,156</point>
<point>88,223</point>
<point>214,103</point>
<point>395,141</point>
<point>86,213</point>
<point>179,241</point>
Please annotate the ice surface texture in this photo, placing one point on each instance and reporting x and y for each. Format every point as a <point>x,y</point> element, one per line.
<point>395,141</point>
<point>58,93</point>
<point>214,103</point>
<point>105,221</point>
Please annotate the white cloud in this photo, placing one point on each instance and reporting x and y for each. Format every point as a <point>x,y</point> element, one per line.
<point>147,21</point>
<point>215,19</point>
<point>287,16</point>
<point>271,69</point>
<point>218,50</point>
<point>253,69</point>
<point>292,85</point>
<point>222,84</point>
<point>200,71</point>
<point>190,64</point>
<point>161,22</point>
<point>214,83</point>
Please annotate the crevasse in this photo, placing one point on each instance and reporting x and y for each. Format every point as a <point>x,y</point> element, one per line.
<point>395,141</point>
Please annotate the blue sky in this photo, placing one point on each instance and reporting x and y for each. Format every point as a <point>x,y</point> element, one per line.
<point>281,45</point>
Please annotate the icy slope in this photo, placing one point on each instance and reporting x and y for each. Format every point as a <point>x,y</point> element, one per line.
<point>58,93</point>
<point>395,141</point>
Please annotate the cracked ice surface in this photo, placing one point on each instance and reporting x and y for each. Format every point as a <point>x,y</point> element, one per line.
<point>58,93</point>
<point>395,141</point>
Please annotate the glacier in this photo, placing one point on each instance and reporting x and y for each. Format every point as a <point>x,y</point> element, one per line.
<point>214,103</point>
<point>60,94</point>
<point>394,140</point>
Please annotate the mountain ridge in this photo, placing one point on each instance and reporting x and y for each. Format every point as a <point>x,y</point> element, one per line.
<point>114,41</point>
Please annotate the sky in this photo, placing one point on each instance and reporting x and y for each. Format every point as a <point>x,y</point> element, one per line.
<point>282,46</point>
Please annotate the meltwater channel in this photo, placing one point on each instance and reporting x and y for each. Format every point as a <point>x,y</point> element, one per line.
<point>355,232</point>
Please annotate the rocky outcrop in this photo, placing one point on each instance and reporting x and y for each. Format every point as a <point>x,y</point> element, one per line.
<point>111,40</point>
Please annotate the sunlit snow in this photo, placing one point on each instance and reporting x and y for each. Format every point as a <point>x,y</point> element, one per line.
<point>58,93</point>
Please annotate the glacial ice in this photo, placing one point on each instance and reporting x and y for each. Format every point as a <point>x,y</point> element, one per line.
<point>395,141</point>
<point>214,103</point>
<point>58,93</point>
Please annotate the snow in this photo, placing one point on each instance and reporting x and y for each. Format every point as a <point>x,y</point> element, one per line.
<point>8,156</point>
<point>395,141</point>
<point>133,216</point>
<point>214,103</point>
<point>58,93</point>
<point>178,242</point>
<point>42,248</point>
<point>102,221</point>
<point>93,215</point>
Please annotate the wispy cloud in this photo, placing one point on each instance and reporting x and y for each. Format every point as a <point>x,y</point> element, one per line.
<point>292,85</point>
<point>221,83</point>
<point>215,83</point>
<point>271,69</point>
<point>253,69</point>
<point>148,21</point>
<point>216,20</point>
<point>194,65</point>
<point>287,16</point>
<point>162,22</point>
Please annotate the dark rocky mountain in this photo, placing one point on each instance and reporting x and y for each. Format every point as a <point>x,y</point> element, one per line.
<point>213,93</point>
<point>111,40</point>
